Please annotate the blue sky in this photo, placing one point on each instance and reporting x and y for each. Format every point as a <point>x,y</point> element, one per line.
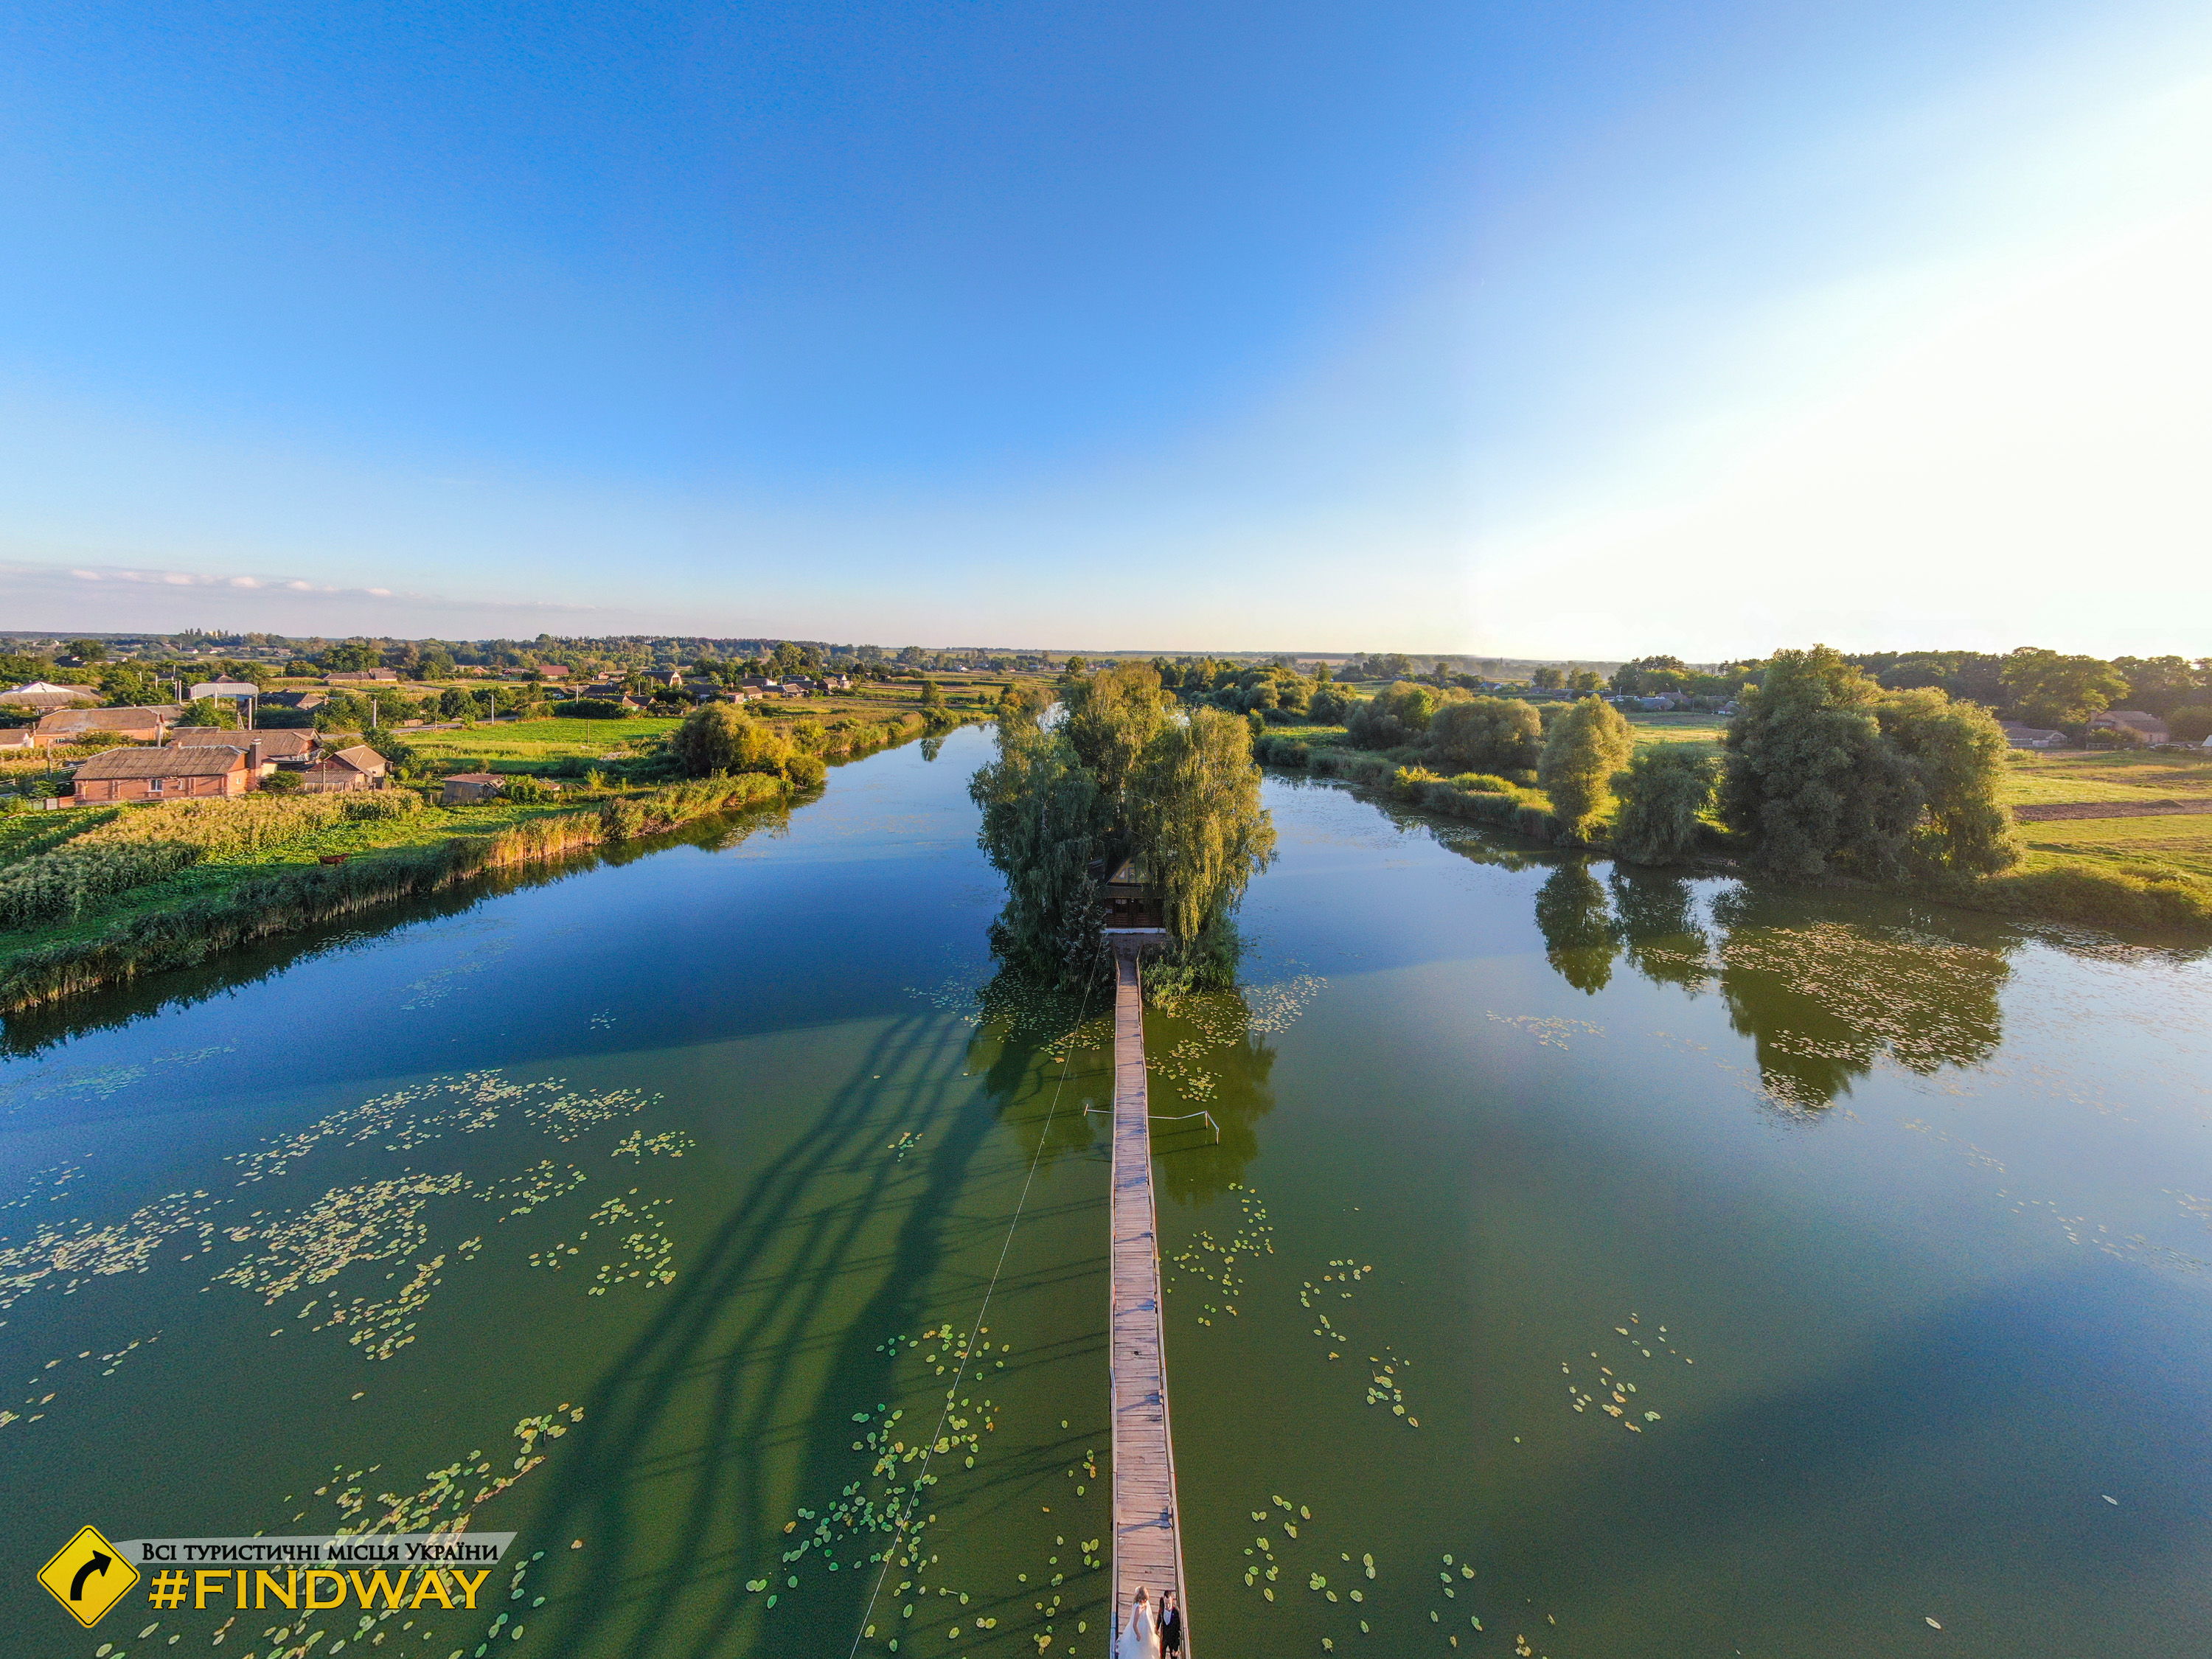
<point>1565,328</point>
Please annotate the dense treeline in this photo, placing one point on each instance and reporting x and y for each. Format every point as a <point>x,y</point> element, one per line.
<point>2034,685</point>
<point>1122,775</point>
<point>1826,773</point>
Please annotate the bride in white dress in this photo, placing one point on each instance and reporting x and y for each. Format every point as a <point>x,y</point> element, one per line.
<point>1138,1640</point>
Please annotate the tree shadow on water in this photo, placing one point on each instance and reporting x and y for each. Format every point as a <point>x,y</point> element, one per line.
<point>753,1366</point>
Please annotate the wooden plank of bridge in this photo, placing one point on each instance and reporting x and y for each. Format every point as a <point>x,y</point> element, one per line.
<point>1147,1522</point>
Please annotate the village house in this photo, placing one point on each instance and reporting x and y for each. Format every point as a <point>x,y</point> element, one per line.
<point>357,768</point>
<point>144,725</point>
<point>181,774</point>
<point>2031,737</point>
<point>463,787</point>
<point>283,743</point>
<point>2148,727</point>
<point>554,670</point>
<point>362,676</point>
<point>45,696</point>
<point>305,702</point>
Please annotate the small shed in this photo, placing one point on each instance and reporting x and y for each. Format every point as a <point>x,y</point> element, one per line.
<point>181,774</point>
<point>463,787</point>
<point>357,768</point>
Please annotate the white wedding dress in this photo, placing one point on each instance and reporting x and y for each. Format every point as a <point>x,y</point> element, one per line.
<point>1138,1640</point>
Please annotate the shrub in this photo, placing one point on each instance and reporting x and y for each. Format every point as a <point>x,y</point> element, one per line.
<point>1486,734</point>
<point>593,708</point>
<point>281,782</point>
<point>719,736</point>
<point>2111,737</point>
<point>1664,795</point>
<point>2123,896</point>
<point>522,786</point>
<point>1398,715</point>
<point>806,771</point>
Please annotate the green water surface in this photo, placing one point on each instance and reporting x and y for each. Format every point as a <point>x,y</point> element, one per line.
<point>699,1215</point>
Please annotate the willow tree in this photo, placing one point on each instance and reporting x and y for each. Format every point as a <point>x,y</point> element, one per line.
<point>1112,717</point>
<point>1198,831</point>
<point>1828,773</point>
<point>1045,825</point>
<point>1122,778</point>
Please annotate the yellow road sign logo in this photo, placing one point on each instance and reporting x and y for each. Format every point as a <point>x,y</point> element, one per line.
<point>89,1577</point>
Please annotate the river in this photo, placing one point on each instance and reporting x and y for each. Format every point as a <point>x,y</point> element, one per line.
<point>1572,1264</point>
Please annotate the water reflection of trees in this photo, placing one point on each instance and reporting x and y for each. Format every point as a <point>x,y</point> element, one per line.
<point>1823,995</point>
<point>1030,1036</point>
<point>1581,936</point>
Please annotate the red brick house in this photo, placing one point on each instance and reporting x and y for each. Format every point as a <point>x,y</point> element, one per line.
<point>182,773</point>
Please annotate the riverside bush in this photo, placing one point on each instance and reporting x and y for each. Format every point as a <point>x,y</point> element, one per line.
<point>2123,896</point>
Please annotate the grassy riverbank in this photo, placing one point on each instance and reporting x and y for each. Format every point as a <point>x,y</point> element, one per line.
<point>257,870</point>
<point>2148,871</point>
<point>97,895</point>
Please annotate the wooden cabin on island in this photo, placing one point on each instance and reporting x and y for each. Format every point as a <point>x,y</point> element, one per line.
<point>181,773</point>
<point>1132,909</point>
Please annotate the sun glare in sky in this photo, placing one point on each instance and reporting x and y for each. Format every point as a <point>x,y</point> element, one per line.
<point>1563,331</point>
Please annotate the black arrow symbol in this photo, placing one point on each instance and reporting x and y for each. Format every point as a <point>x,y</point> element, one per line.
<point>98,1564</point>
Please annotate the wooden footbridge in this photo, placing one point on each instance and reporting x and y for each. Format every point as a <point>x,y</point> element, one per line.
<point>1147,1519</point>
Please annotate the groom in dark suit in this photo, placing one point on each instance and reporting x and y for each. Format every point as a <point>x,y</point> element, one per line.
<point>1170,1625</point>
